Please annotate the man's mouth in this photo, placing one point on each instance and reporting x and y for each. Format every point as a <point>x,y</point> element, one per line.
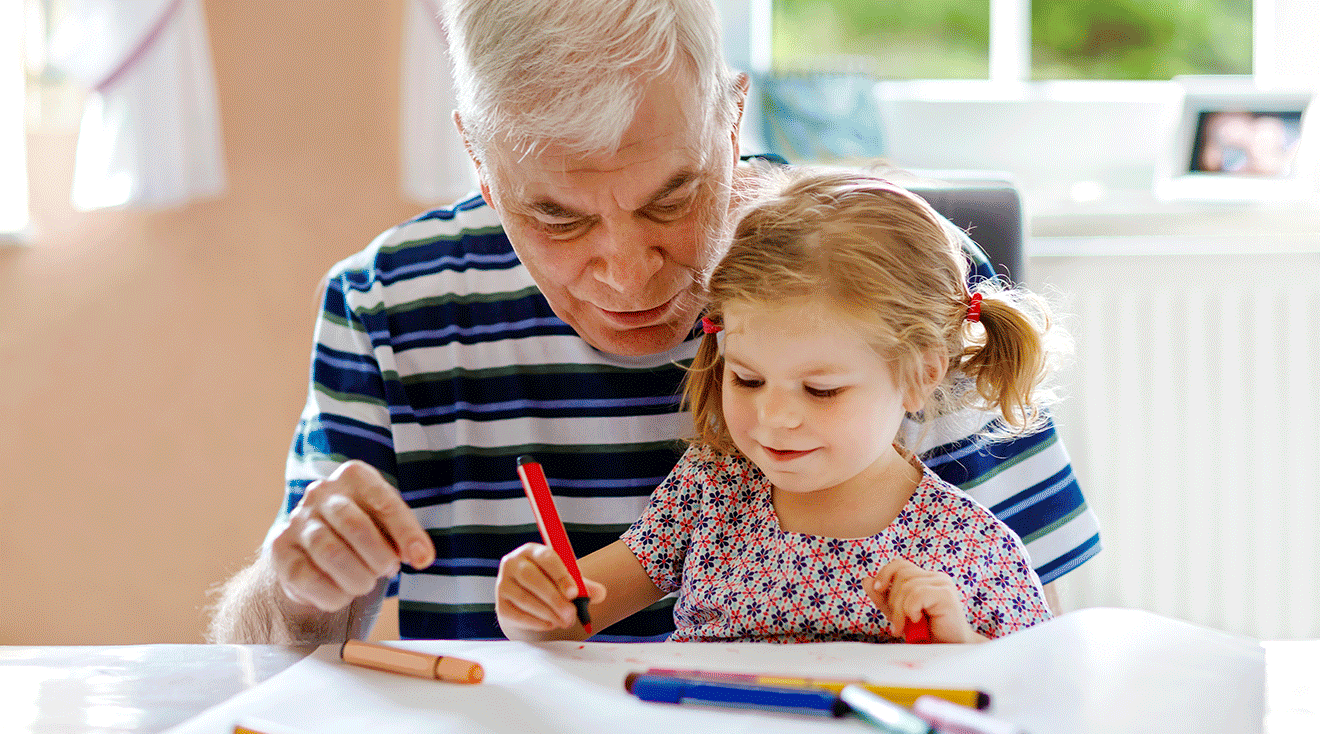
<point>638,319</point>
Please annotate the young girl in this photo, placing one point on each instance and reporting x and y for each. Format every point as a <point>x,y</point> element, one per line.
<point>797,514</point>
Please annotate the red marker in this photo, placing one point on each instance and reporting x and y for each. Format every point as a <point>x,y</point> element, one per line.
<point>552,530</point>
<point>918,632</point>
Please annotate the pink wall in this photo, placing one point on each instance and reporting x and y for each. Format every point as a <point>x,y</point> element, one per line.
<point>153,365</point>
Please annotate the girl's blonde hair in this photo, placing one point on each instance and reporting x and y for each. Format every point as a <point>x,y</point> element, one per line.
<point>881,255</point>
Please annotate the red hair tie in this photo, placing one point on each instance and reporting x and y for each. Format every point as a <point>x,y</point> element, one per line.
<point>710,327</point>
<point>974,309</point>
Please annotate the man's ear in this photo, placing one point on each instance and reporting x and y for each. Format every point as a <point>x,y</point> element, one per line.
<point>476,162</point>
<point>744,83</point>
<point>930,373</point>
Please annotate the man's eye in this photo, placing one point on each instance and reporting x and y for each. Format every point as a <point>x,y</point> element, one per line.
<point>668,211</point>
<point>561,228</point>
<point>819,392</point>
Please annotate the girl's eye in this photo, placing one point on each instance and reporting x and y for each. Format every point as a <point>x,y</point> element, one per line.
<point>817,392</point>
<point>740,382</point>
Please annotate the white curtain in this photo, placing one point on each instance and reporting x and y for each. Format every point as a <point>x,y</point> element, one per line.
<point>13,163</point>
<point>436,168</point>
<point>150,134</point>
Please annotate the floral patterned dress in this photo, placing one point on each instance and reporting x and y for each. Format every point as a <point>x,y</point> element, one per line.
<point>711,533</point>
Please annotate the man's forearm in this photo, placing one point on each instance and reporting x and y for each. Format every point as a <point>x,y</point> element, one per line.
<point>252,610</point>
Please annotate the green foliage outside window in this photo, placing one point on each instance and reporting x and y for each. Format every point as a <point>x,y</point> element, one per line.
<point>903,39</point>
<point>1070,39</point>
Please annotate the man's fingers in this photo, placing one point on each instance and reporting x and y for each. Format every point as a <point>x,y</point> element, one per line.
<point>348,531</point>
<point>334,558</point>
<point>361,533</point>
<point>303,583</point>
<point>382,503</point>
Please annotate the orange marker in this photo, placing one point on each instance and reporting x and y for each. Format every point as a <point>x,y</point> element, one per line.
<point>259,726</point>
<point>411,662</point>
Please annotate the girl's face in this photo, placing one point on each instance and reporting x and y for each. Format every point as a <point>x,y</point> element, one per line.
<point>806,398</point>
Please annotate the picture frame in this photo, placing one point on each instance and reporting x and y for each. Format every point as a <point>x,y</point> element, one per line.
<point>1235,141</point>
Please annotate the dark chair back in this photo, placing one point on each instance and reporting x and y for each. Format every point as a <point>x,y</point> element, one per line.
<point>991,214</point>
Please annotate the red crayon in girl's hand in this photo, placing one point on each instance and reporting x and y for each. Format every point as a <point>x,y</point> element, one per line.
<point>918,632</point>
<point>552,530</point>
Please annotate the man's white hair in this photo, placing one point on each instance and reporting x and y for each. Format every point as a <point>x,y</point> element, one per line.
<point>572,72</point>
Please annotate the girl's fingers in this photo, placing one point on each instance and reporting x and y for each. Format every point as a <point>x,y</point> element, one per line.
<point>534,580</point>
<point>903,591</point>
<point>596,591</point>
<point>526,610</point>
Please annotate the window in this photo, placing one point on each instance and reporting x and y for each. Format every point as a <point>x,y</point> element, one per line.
<point>33,96</point>
<point>54,102</point>
<point>1014,40</point>
<point>1139,39</point>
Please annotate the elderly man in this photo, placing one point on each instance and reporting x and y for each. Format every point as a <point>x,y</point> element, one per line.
<point>552,316</point>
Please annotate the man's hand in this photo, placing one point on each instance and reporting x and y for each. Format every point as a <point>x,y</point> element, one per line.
<point>349,531</point>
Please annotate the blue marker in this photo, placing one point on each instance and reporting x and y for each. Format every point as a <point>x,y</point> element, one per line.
<point>664,689</point>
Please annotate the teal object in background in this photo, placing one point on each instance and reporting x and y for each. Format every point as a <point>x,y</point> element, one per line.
<point>821,116</point>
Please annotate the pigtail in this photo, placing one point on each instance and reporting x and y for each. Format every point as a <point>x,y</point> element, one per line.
<point>1009,359</point>
<point>702,388</point>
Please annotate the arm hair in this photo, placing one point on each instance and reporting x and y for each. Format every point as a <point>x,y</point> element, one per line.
<point>252,609</point>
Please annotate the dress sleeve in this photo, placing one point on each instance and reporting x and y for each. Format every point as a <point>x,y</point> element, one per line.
<point>662,536</point>
<point>1008,597</point>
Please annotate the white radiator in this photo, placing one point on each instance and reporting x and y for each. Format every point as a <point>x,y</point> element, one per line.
<point>1194,425</point>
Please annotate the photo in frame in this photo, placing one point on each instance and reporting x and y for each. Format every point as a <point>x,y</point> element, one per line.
<point>1234,141</point>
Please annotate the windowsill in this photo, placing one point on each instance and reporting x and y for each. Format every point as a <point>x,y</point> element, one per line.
<point>1146,245</point>
<point>1136,223</point>
<point>984,90</point>
<point>1074,227</point>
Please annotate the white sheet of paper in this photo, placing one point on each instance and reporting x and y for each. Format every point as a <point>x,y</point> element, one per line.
<point>1094,670</point>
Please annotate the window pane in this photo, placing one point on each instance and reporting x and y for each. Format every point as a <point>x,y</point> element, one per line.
<point>1139,39</point>
<point>907,39</point>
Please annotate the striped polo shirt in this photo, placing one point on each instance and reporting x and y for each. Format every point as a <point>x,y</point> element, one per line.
<point>438,361</point>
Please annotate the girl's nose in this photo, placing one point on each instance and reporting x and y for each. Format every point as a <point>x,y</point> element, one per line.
<point>777,409</point>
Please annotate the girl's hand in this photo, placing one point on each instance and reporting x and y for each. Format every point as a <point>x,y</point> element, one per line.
<point>903,591</point>
<point>534,593</point>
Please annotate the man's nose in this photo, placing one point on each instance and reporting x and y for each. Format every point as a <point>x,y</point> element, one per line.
<point>776,408</point>
<point>627,257</point>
